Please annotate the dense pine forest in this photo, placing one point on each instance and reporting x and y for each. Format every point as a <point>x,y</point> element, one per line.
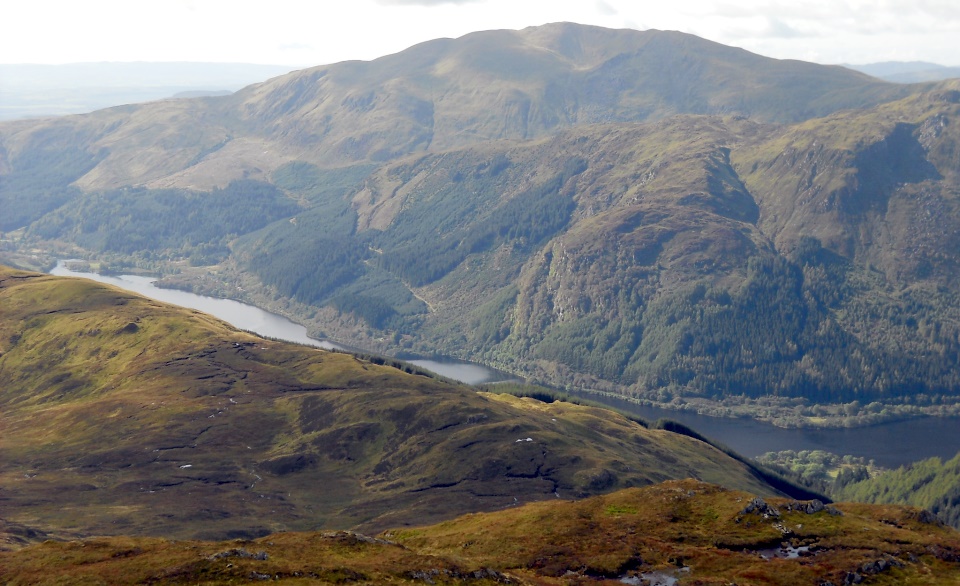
<point>931,484</point>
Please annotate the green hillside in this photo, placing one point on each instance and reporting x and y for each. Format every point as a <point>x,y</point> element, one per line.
<point>122,415</point>
<point>650,262</point>
<point>769,238</point>
<point>931,484</point>
<point>680,530</point>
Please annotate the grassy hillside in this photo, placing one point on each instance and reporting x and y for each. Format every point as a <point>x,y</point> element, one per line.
<point>931,484</point>
<point>661,261</point>
<point>442,94</point>
<point>695,532</point>
<point>123,415</point>
<point>643,213</point>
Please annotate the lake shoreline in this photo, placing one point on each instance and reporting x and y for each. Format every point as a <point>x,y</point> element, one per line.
<point>789,418</point>
<point>270,324</point>
<point>784,413</point>
<point>890,443</point>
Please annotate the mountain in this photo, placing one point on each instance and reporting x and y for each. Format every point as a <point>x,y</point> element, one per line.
<point>931,484</point>
<point>122,415</point>
<point>675,532</point>
<point>440,95</point>
<point>908,71</point>
<point>701,256</point>
<point>645,213</point>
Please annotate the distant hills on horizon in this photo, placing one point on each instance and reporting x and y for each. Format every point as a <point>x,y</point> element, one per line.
<point>30,90</point>
<point>908,71</point>
<point>648,213</point>
<point>35,90</point>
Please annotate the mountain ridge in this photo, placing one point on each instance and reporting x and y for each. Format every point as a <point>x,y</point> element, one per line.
<point>663,222</point>
<point>418,110</point>
<point>675,531</point>
<point>126,415</point>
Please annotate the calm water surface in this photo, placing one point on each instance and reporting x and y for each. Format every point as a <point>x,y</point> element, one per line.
<point>254,319</point>
<point>240,315</point>
<point>467,372</point>
<point>889,444</point>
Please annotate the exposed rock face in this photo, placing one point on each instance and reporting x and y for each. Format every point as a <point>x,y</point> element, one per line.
<point>758,506</point>
<point>811,507</point>
<point>607,209</point>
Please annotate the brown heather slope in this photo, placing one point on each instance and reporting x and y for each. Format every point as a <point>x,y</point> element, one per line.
<point>693,257</point>
<point>438,95</point>
<point>694,532</point>
<point>644,213</point>
<point>121,415</point>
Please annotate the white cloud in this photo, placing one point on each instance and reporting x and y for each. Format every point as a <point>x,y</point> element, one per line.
<point>306,32</point>
<point>295,47</point>
<point>605,9</point>
<point>424,2</point>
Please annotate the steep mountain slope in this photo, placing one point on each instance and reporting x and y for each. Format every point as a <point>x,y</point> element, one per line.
<point>851,295</point>
<point>697,256</point>
<point>124,415</point>
<point>931,484</point>
<point>876,186</point>
<point>438,95</point>
<point>644,213</point>
<point>681,530</point>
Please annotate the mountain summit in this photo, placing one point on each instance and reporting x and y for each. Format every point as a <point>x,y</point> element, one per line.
<point>645,213</point>
<point>449,93</point>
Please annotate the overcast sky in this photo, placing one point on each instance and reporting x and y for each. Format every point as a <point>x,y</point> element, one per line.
<point>315,32</point>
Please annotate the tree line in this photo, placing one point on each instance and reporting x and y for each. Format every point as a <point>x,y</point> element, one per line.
<point>131,220</point>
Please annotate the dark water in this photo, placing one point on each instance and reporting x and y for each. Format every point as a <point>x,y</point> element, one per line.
<point>889,444</point>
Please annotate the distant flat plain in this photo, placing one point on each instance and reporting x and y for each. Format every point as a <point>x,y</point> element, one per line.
<point>32,91</point>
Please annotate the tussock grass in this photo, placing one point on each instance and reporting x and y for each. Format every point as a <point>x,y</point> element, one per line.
<point>125,415</point>
<point>698,532</point>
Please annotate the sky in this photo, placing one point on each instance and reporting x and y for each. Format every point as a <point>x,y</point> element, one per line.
<point>304,33</point>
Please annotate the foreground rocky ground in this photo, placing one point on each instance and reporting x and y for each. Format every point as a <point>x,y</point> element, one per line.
<point>679,532</point>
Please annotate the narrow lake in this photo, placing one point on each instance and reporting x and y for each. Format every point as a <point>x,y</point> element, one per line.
<point>254,319</point>
<point>889,444</point>
<point>237,314</point>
